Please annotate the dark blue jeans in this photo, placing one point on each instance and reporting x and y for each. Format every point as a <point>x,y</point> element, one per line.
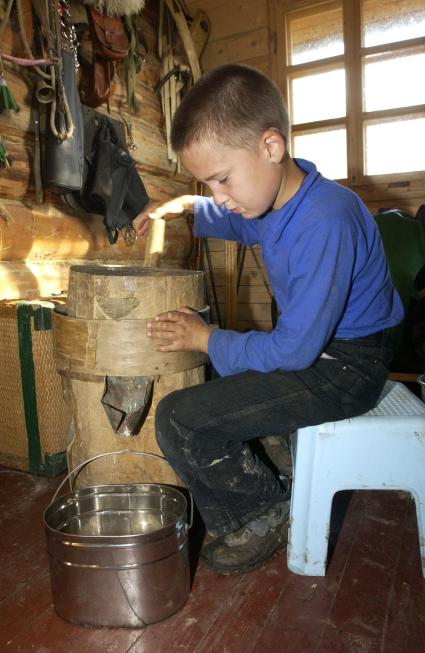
<point>204,431</point>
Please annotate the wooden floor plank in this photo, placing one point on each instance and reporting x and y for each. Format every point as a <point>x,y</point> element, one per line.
<point>20,565</point>
<point>405,628</point>
<point>100,640</point>
<point>210,599</point>
<point>288,639</point>
<point>358,608</point>
<point>372,599</point>
<point>306,603</point>
<point>340,641</point>
<point>241,625</point>
<point>47,633</point>
<point>21,608</point>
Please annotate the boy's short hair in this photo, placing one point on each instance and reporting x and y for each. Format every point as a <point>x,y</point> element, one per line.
<point>231,104</point>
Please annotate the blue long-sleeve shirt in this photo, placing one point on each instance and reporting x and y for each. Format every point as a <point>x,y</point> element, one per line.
<point>326,267</point>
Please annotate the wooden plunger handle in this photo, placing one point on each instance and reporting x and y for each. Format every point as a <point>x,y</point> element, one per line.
<point>154,242</point>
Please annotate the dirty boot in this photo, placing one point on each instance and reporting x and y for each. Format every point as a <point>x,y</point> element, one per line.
<point>250,546</point>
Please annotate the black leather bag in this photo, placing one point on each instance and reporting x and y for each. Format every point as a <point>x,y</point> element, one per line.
<point>63,161</point>
<point>111,185</point>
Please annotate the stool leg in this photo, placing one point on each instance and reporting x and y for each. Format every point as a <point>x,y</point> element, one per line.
<point>311,505</point>
<point>308,538</point>
<point>418,494</point>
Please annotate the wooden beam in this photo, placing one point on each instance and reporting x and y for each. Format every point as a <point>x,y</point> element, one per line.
<point>404,377</point>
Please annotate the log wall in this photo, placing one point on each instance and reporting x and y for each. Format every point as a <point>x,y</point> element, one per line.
<point>38,242</point>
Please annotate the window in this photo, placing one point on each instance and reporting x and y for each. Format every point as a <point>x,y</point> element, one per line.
<point>352,72</point>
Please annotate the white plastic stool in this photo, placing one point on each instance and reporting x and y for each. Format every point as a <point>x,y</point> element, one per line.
<point>384,449</point>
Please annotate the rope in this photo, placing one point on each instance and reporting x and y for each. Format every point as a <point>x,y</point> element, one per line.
<point>62,136</point>
<point>26,62</point>
<point>55,45</point>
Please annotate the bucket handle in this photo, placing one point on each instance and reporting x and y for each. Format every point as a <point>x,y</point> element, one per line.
<point>114,453</point>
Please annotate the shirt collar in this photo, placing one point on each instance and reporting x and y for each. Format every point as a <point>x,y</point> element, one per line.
<point>276,221</point>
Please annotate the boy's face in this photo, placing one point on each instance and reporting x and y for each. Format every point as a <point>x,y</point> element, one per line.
<point>245,181</point>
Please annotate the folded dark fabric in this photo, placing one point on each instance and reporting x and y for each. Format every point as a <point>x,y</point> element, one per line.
<point>112,186</point>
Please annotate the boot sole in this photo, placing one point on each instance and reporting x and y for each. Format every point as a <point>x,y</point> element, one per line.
<point>225,570</point>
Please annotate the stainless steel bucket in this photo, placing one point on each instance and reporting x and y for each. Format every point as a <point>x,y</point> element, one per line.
<point>118,554</point>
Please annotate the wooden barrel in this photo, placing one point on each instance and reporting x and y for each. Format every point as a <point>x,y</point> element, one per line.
<point>100,336</point>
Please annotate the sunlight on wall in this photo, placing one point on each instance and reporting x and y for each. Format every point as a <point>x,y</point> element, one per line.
<point>8,286</point>
<point>35,277</point>
<point>32,280</point>
<point>58,249</point>
<point>52,279</point>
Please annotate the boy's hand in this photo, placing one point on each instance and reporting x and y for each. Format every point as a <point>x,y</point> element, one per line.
<point>184,328</point>
<point>167,210</point>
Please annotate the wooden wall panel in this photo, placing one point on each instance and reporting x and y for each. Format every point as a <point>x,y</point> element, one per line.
<point>239,48</point>
<point>253,296</point>
<point>229,18</point>
<point>239,33</point>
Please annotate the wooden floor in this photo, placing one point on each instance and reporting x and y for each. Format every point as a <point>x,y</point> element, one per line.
<point>372,599</point>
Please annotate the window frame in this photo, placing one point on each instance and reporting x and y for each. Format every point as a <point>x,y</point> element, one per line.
<point>351,60</point>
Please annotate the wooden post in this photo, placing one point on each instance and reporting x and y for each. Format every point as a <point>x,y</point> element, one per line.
<point>231,277</point>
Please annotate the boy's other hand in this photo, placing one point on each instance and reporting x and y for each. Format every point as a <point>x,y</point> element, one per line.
<point>167,210</point>
<point>183,328</point>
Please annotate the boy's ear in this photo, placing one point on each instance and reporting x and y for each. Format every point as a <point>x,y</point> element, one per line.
<point>274,145</point>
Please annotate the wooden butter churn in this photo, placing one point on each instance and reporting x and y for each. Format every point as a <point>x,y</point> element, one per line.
<point>113,377</point>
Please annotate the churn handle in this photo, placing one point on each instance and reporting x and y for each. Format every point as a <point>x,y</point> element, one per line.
<point>114,453</point>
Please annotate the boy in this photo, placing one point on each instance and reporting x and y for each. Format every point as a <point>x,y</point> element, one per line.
<point>327,357</point>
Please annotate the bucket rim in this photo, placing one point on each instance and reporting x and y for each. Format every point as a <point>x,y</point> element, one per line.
<point>57,497</point>
<point>87,491</point>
